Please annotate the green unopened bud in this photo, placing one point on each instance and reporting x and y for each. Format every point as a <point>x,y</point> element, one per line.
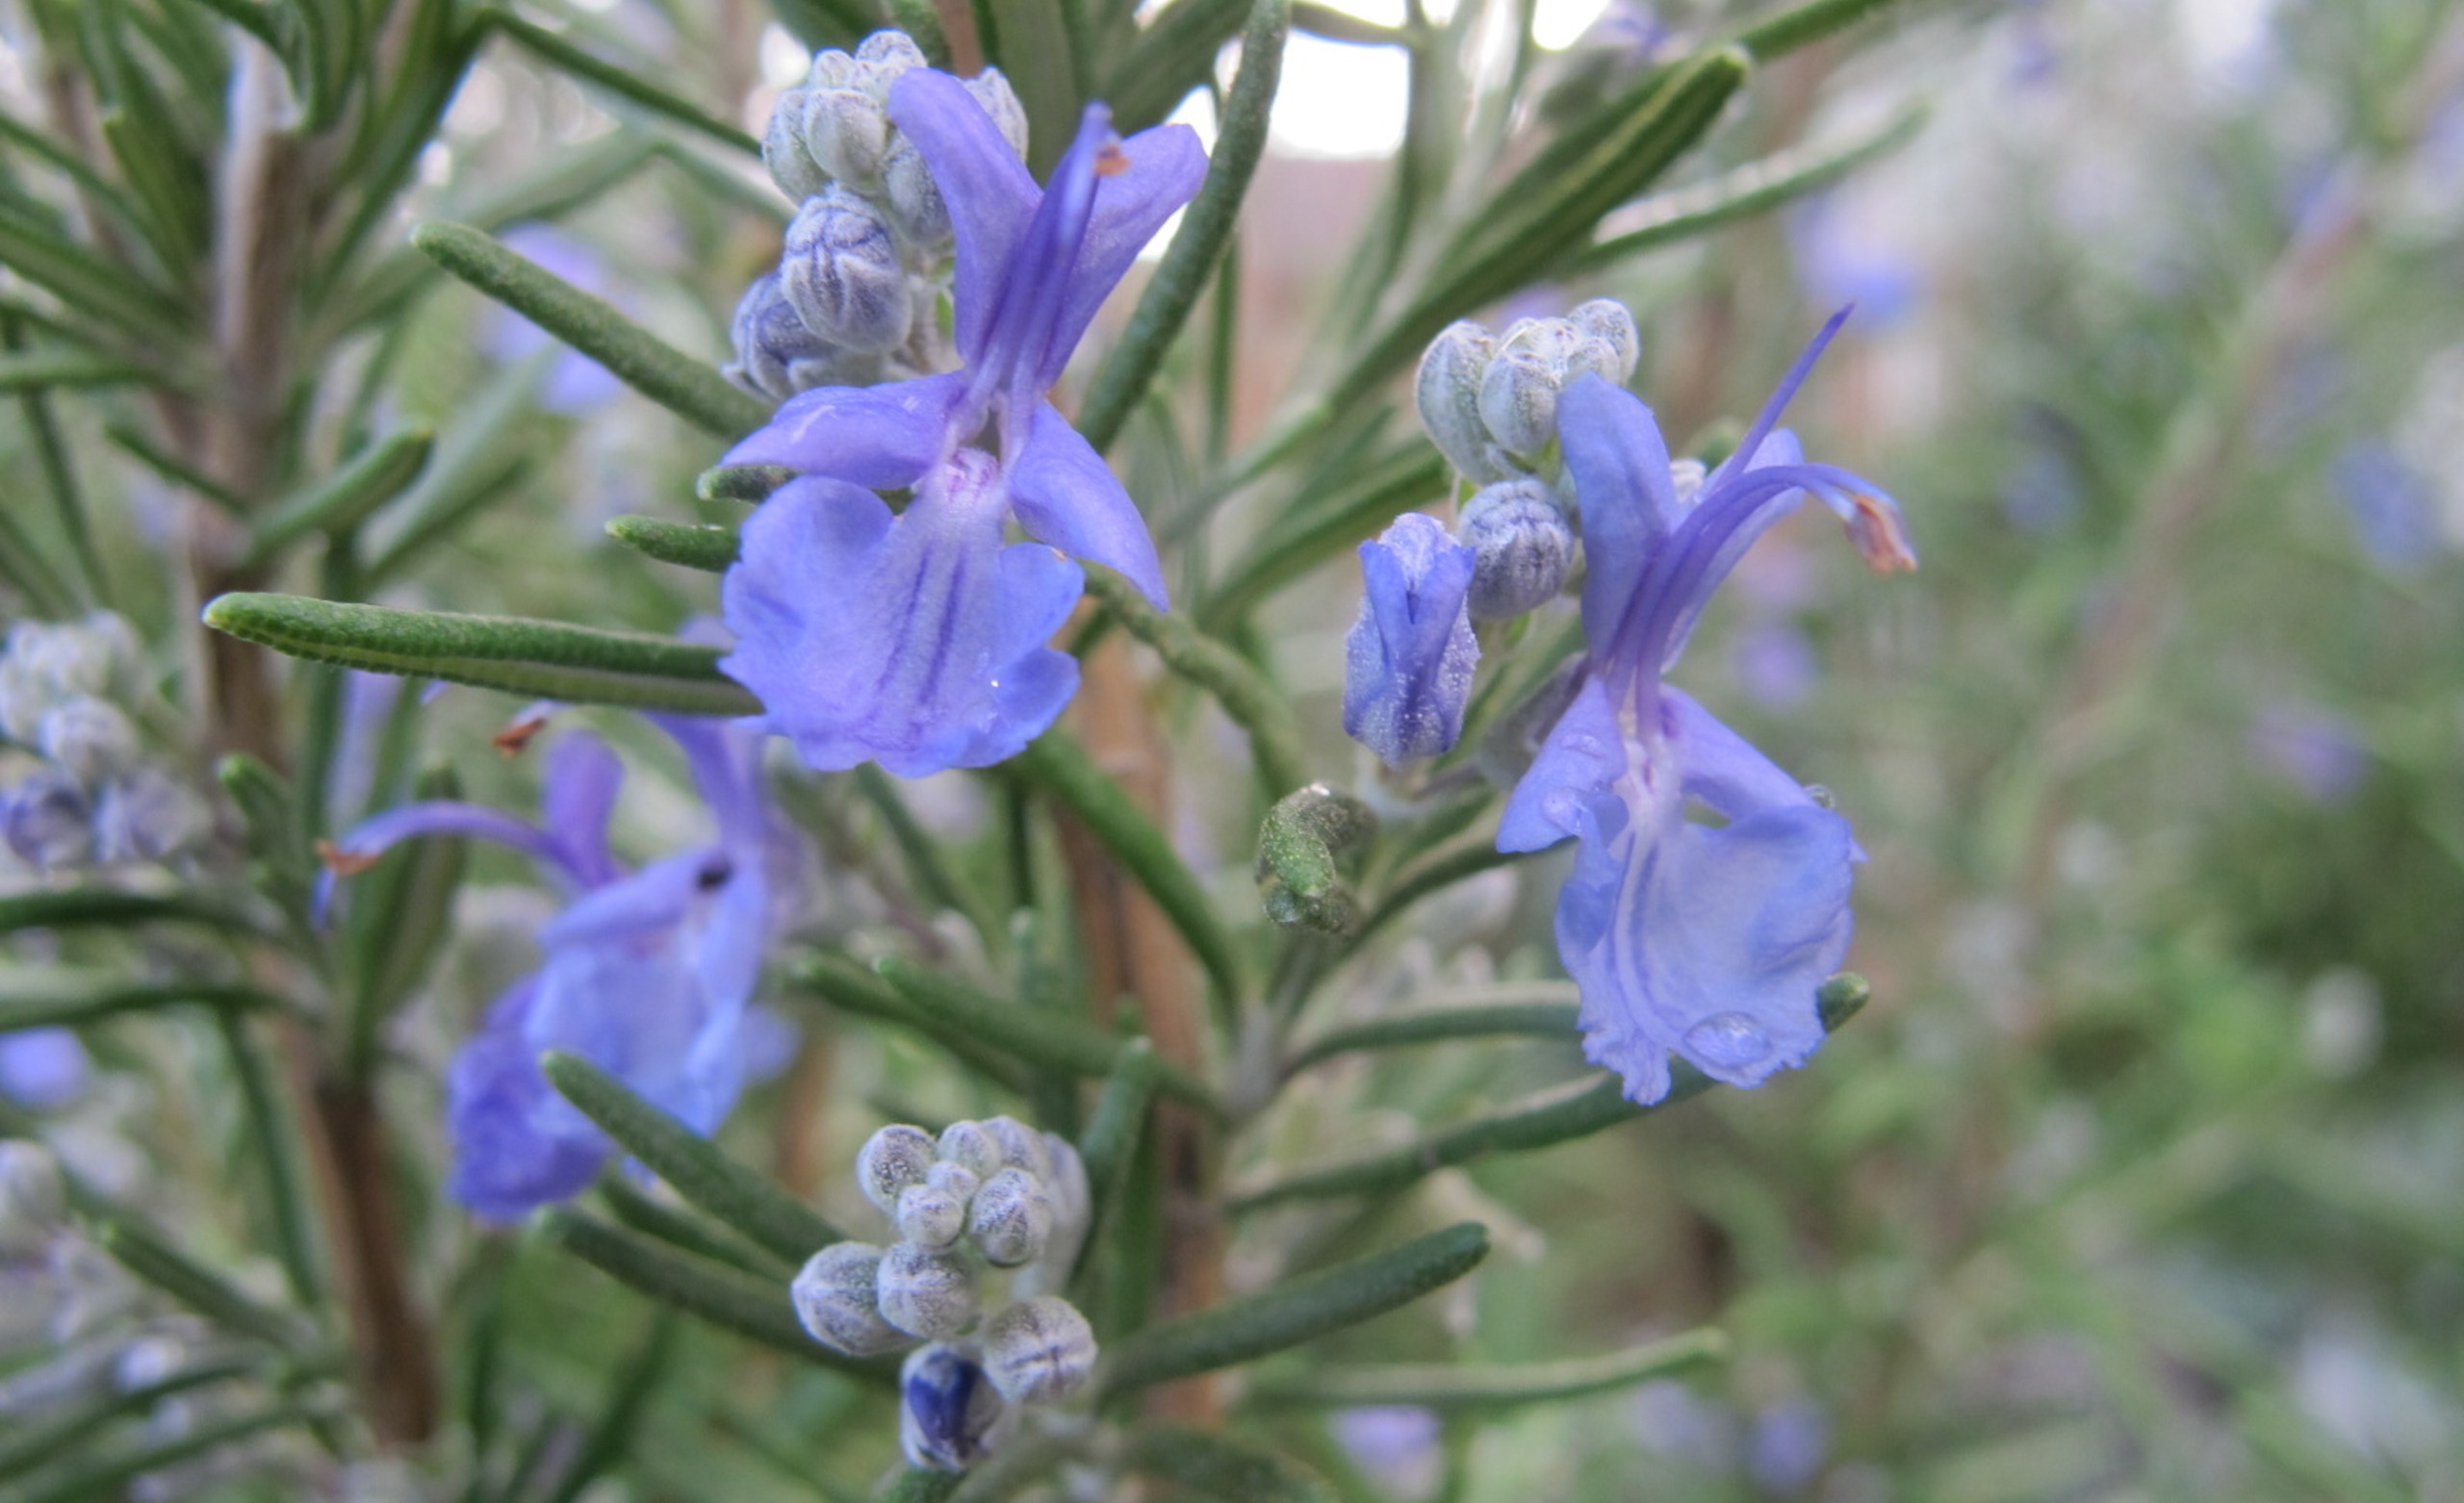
<point>1038,1351</point>
<point>840,271</point>
<point>925,1294</point>
<point>1010,1218</point>
<point>836,1297</point>
<point>1311,838</point>
<point>890,1160</point>
<point>1523,548</point>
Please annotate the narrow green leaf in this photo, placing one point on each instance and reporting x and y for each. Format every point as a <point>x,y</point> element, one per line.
<point>257,20</point>
<point>270,1137</point>
<point>163,181</point>
<point>935,883</point>
<point>538,659</point>
<point>92,186</point>
<point>1206,230</point>
<point>1743,191</point>
<point>1110,1140</point>
<point>1210,1463</point>
<point>480,459</point>
<point>1310,839</point>
<point>1433,876</point>
<point>1311,1306</point>
<point>755,1308</point>
<point>631,1205</point>
<point>146,1254</point>
<point>1807,24</point>
<point>90,908</point>
<point>69,1008</point>
<point>280,860</point>
<point>712,549</point>
<point>59,473</point>
<point>852,989</point>
<point>612,1436</point>
<point>366,481</point>
<point>1474,1387</point>
<point>88,282</point>
<point>1253,704</point>
<point>642,360</point>
<point>42,369</point>
<point>751,484</point>
<point>1410,476</point>
<point>1061,768</point>
<point>1576,1110</point>
<point>106,1476</point>
<point>1036,55</point>
<point>170,467</point>
<point>1042,1040</point>
<point>746,1202</point>
<point>1428,1026</point>
<point>1171,56</point>
<point>917,1485</point>
<point>35,1445</point>
<point>620,82</point>
<point>402,909</point>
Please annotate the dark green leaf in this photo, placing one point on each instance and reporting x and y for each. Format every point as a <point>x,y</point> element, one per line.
<point>691,545</point>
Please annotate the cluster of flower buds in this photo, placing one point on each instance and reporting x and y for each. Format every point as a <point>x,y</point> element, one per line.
<point>856,298</point>
<point>985,1204</point>
<point>1490,403</point>
<point>77,793</point>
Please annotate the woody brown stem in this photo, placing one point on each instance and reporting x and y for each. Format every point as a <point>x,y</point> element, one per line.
<point>1132,950</point>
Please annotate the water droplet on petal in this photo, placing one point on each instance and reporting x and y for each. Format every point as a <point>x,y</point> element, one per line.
<point>1727,1041</point>
<point>1562,808</point>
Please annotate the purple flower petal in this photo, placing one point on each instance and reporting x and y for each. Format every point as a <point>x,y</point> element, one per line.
<point>990,196</point>
<point>882,437</point>
<point>1067,497</point>
<point>1585,753</point>
<point>1160,169</point>
<point>1620,467</point>
<point>1410,654</point>
<point>577,796</point>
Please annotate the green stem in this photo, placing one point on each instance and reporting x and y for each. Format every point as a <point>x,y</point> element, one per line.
<point>1254,705</point>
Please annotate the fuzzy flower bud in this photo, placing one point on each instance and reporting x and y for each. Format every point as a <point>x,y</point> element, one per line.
<point>33,1199</point>
<point>1022,1147</point>
<point>1523,547</point>
<point>890,53</point>
<point>777,355</point>
<point>1010,1218</point>
<point>1518,399</point>
<point>990,90</point>
<point>148,816</point>
<point>47,822</point>
<point>931,1218</point>
<point>925,1294</point>
<point>952,1179</point>
<point>890,1160</point>
<point>846,135</point>
<point>783,150</point>
<point>1038,1351</point>
<point>835,1298</point>
<point>89,738</point>
<point>1605,320</point>
<point>841,274</point>
<point>1447,393</point>
<point>949,1417</point>
<point>916,210</point>
<point>971,1148</point>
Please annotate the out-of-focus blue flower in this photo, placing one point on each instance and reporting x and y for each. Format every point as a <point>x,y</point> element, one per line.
<point>1409,658</point>
<point>575,383</point>
<point>647,974</point>
<point>1686,939</point>
<point>1397,1444</point>
<point>2316,752</point>
<point>950,624</point>
<point>1775,664</point>
<point>1842,258</point>
<point>43,1068</point>
<point>2389,502</point>
<point>1788,1444</point>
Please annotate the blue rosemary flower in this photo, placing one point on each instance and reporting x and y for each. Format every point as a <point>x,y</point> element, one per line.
<point>1408,661</point>
<point>647,974</point>
<point>914,639</point>
<point>1686,938</point>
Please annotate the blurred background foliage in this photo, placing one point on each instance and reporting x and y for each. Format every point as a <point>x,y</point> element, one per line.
<point>2142,1177</point>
